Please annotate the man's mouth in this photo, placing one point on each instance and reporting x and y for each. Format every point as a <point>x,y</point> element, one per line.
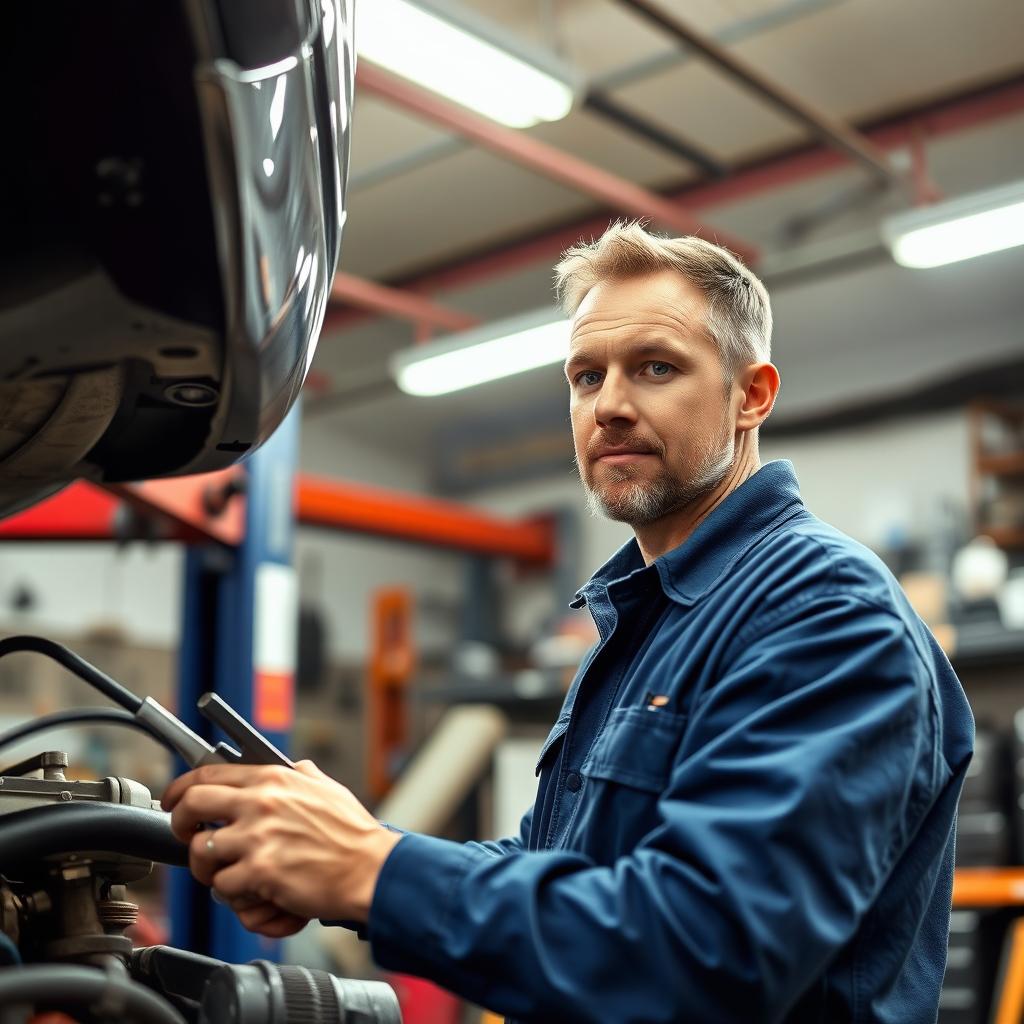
<point>618,455</point>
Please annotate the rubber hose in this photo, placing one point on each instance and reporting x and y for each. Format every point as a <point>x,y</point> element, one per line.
<point>73,663</point>
<point>30,835</point>
<point>76,716</point>
<point>63,985</point>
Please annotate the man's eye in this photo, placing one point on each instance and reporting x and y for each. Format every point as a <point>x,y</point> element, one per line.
<point>588,378</point>
<point>659,369</point>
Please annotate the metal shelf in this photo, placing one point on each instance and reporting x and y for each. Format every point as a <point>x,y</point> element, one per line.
<point>987,645</point>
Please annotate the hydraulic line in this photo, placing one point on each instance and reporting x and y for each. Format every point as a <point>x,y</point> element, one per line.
<point>172,732</point>
<point>31,835</point>
<point>73,663</point>
<point>76,716</point>
<point>62,986</point>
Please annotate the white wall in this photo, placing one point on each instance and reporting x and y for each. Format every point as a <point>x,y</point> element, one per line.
<point>891,475</point>
<point>78,588</point>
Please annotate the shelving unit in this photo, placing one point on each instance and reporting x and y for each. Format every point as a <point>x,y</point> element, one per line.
<point>997,478</point>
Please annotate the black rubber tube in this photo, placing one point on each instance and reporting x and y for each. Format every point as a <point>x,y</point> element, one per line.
<point>48,986</point>
<point>30,835</point>
<point>76,716</point>
<point>73,663</point>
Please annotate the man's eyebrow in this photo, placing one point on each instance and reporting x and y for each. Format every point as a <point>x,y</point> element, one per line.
<point>665,347</point>
<point>675,348</point>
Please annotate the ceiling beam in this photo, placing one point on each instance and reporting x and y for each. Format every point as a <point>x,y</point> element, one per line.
<point>830,130</point>
<point>402,303</point>
<point>618,193</point>
<point>945,116</point>
<point>601,102</point>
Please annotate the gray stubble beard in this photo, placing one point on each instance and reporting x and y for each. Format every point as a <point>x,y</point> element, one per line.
<point>645,502</point>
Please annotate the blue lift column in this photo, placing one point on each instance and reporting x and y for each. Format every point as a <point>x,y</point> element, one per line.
<point>239,639</point>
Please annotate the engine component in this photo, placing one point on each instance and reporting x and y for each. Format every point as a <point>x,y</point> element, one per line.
<point>68,851</point>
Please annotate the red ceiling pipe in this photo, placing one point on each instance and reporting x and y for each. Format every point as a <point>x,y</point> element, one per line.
<point>618,193</point>
<point>943,117</point>
<point>397,302</point>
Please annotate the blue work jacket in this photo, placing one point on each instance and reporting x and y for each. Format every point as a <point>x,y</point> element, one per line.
<point>745,810</point>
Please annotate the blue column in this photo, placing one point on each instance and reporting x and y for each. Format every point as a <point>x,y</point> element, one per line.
<point>240,636</point>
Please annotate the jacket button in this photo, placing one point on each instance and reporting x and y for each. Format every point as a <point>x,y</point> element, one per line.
<point>573,782</point>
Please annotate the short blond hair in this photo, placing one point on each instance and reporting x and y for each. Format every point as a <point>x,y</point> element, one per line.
<point>739,312</point>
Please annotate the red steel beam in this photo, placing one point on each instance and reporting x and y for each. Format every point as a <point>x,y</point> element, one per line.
<point>341,505</point>
<point>538,156</point>
<point>397,302</point>
<point>943,117</point>
<point>83,511</point>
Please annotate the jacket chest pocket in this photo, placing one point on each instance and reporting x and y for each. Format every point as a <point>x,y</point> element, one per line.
<point>551,744</point>
<point>636,748</point>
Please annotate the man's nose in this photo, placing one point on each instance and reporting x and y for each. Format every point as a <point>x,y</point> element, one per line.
<point>614,401</point>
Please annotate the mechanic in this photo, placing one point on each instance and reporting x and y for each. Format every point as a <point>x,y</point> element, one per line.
<point>746,808</point>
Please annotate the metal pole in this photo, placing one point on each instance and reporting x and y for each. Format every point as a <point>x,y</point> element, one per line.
<point>257,622</point>
<point>239,639</point>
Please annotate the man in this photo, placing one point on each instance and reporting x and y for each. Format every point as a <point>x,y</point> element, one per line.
<point>746,807</point>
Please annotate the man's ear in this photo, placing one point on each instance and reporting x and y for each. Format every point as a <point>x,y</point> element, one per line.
<point>760,387</point>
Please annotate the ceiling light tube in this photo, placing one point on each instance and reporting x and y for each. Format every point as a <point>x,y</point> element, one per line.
<point>958,229</point>
<point>465,58</point>
<point>483,354</point>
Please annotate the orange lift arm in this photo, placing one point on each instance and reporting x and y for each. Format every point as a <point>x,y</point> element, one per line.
<point>341,505</point>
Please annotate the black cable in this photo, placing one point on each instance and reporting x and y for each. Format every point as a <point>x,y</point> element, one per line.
<point>63,985</point>
<point>73,663</point>
<point>59,719</point>
<point>31,835</point>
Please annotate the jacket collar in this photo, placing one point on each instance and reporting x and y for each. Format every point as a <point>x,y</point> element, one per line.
<point>687,572</point>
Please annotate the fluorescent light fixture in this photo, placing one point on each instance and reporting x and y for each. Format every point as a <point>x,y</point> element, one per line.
<point>465,58</point>
<point>958,229</point>
<point>483,354</point>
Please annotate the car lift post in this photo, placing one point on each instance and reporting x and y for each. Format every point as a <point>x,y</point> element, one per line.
<point>240,608</point>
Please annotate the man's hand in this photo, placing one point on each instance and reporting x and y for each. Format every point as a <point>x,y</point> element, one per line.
<point>292,845</point>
